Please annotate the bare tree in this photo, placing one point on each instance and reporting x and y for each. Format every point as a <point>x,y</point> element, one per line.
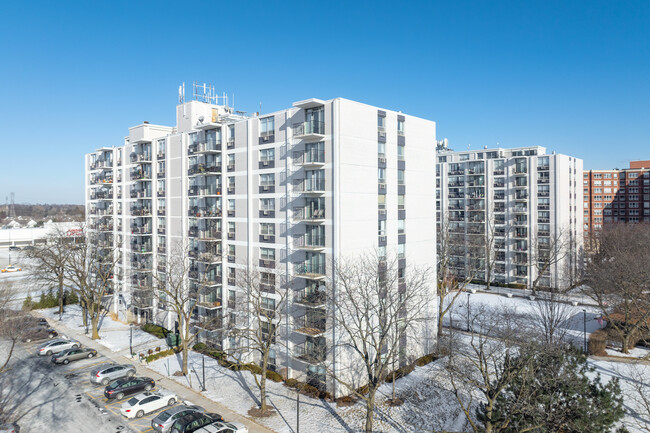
<point>618,279</point>
<point>378,308</point>
<point>548,249</point>
<point>551,317</point>
<point>49,262</point>
<point>10,326</point>
<point>638,394</point>
<point>453,273</point>
<point>481,369</point>
<point>258,311</point>
<point>183,287</point>
<point>89,270</point>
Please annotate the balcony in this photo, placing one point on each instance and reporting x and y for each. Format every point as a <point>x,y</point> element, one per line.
<point>542,167</point>
<point>310,270</point>
<point>140,211</point>
<point>209,234</point>
<point>310,158</point>
<point>204,212</point>
<point>310,353</point>
<point>308,214</point>
<point>520,209</point>
<point>310,242</point>
<point>141,248</point>
<point>209,257</point>
<point>198,169</point>
<point>140,157</point>
<point>193,232</point>
<point>542,206</point>
<point>139,193</point>
<point>542,180</point>
<point>313,324</point>
<point>141,230</point>
<point>209,147</point>
<point>140,175</point>
<point>309,130</point>
<point>162,249</point>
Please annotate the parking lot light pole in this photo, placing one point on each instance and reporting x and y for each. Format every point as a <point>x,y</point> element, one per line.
<point>131,341</point>
<point>297,411</point>
<point>203,366</point>
<point>584,325</point>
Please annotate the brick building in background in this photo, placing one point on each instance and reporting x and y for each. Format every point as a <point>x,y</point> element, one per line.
<point>618,195</point>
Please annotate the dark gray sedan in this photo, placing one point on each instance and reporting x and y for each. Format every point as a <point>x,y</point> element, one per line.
<point>107,373</point>
<point>65,356</point>
<point>163,421</point>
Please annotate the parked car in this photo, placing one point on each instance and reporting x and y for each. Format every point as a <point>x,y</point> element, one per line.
<point>9,428</point>
<point>224,427</point>
<point>147,402</point>
<point>65,356</point>
<point>108,373</point>
<point>162,423</point>
<point>38,333</point>
<point>14,248</point>
<point>127,386</point>
<point>11,268</point>
<point>194,421</point>
<point>28,248</point>
<point>55,346</point>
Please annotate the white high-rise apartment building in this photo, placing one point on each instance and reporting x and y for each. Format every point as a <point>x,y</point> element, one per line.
<point>521,203</point>
<point>293,191</point>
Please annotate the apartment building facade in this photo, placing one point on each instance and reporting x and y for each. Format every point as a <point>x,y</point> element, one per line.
<point>618,195</point>
<point>290,192</point>
<point>521,204</point>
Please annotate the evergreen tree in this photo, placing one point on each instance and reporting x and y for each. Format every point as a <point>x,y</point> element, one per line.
<point>558,392</point>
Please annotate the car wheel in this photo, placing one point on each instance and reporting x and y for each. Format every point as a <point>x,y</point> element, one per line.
<point>148,387</point>
<point>74,346</point>
<point>90,355</point>
<point>66,361</point>
<point>28,340</point>
<point>120,396</point>
<point>139,414</point>
<point>131,373</point>
<point>48,353</point>
<point>105,382</point>
<point>171,402</point>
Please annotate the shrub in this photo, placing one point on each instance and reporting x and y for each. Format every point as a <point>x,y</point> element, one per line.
<point>400,372</point>
<point>155,330</point>
<point>70,298</point>
<point>292,383</point>
<point>598,343</point>
<point>28,303</point>
<point>200,347</point>
<point>159,355</point>
<point>274,376</point>
<point>426,359</point>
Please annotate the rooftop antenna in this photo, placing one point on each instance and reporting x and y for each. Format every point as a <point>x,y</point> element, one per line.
<point>468,145</point>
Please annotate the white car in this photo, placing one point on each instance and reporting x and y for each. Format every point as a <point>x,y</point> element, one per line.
<point>223,427</point>
<point>56,345</point>
<point>147,402</point>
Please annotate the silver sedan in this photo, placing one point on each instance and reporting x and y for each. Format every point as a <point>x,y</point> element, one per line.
<point>56,346</point>
<point>106,373</point>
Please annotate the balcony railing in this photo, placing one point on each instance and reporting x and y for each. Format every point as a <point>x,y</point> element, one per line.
<point>311,269</point>
<point>309,128</point>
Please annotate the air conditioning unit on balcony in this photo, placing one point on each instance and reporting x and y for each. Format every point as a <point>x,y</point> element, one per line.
<point>265,213</point>
<point>266,237</point>
<point>265,163</point>
<point>382,186</point>
<point>382,160</point>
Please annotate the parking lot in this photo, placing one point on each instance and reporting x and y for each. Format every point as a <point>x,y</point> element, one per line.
<point>84,393</point>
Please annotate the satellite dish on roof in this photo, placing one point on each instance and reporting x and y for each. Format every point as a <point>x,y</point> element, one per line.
<point>201,118</point>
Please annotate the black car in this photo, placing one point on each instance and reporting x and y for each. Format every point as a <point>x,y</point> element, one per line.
<point>14,248</point>
<point>194,421</point>
<point>128,385</point>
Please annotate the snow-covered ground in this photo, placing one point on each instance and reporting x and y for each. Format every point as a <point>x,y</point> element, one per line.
<point>114,335</point>
<point>429,404</point>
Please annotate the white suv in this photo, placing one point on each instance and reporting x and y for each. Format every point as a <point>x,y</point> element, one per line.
<point>56,345</point>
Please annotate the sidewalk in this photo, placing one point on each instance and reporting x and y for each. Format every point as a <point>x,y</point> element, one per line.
<point>182,391</point>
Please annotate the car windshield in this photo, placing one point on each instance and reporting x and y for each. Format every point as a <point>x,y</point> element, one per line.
<point>164,416</point>
<point>114,385</point>
<point>61,353</point>
<point>133,401</point>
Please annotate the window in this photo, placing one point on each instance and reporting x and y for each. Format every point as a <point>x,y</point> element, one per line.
<point>464,157</point>
<point>231,133</point>
<point>598,190</point>
<point>607,182</point>
<point>381,123</point>
<point>231,250</point>
<point>608,190</point>
<point>267,253</point>
<point>231,161</point>
<point>400,153</point>
<point>381,200</point>
<point>267,179</point>
<point>381,175</point>
<point>267,204</point>
<point>267,229</point>
<point>400,177</point>
<point>381,150</point>
<point>231,204</point>
<point>267,155</point>
<point>231,227</point>
<point>400,127</point>
<point>267,126</point>
<point>607,176</point>
<point>400,201</point>
<point>598,176</point>
<point>400,226</point>
<point>315,152</point>
<point>597,182</point>
<point>633,175</point>
<point>381,227</point>
<point>401,251</point>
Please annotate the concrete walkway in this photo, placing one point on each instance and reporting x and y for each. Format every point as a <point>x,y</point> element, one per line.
<point>182,391</point>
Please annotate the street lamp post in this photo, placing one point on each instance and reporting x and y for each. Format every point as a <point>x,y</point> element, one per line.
<point>468,311</point>
<point>297,411</point>
<point>584,326</point>
<point>131,341</point>
<point>203,367</point>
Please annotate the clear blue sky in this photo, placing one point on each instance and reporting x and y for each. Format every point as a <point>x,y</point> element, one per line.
<point>573,76</point>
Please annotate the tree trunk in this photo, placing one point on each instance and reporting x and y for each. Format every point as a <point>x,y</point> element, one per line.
<point>94,321</point>
<point>370,407</point>
<point>11,351</point>
<point>184,346</point>
<point>626,342</point>
<point>440,315</point>
<point>60,298</point>
<point>84,312</point>
<point>263,382</point>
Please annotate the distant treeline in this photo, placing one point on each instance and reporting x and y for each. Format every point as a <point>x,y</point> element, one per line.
<point>44,212</point>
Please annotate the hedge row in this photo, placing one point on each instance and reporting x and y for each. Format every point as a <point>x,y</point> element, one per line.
<point>50,299</point>
<point>234,366</point>
<point>155,330</point>
<point>159,355</point>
